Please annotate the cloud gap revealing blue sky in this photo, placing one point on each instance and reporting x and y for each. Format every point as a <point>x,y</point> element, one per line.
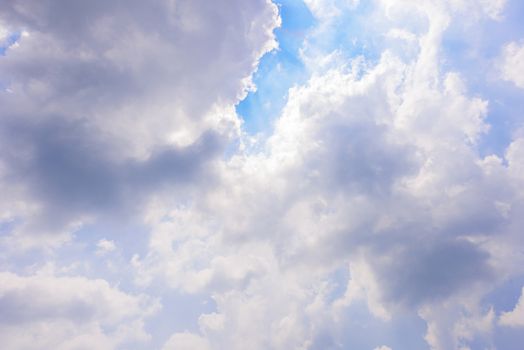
<point>278,70</point>
<point>8,41</point>
<point>263,175</point>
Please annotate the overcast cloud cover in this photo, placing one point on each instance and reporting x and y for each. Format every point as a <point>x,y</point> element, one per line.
<point>249,174</point>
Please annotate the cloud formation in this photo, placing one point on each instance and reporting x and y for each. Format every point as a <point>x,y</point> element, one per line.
<point>45,311</point>
<point>370,211</point>
<point>512,63</point>
<point>107,103</point>
<point>514,318</point>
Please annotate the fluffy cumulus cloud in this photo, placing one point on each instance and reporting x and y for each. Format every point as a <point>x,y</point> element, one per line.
<point>105,103</point>
<point>45,311</point>
<point>371,214</point>
<point>512,63</point>
<point>186,341</point>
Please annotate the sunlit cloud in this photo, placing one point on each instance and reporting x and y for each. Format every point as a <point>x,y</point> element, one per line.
<point>256,174</point>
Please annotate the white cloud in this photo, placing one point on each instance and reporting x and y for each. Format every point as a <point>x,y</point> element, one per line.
<point>46,311</point>
<point>4,33</point>
<point>327,10</point>
<point>105,246</point>
<point>494,8</point>
<point>373,165</point>
<point>512,63</point>
<point>186,341</point>
<point>514,156</point>
<point>361,164</point>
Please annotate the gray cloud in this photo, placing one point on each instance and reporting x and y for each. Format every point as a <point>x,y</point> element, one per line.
<point>70,171</point>
<point>109,102</point>
<point>422,270</point>
<point>357,158</point>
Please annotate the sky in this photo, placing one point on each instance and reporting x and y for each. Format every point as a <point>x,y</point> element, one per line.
<point>263,175</point>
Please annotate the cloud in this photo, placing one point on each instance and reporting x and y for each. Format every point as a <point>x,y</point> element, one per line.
<point>512,63</point>
<point>375,164</point>
<point>42,311</point>
<point>106,104</point>
<point>64,167</point>
<point>186,341</point>
<point>371,202</point>
<point>105,246</point>
<point>327,10</point>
